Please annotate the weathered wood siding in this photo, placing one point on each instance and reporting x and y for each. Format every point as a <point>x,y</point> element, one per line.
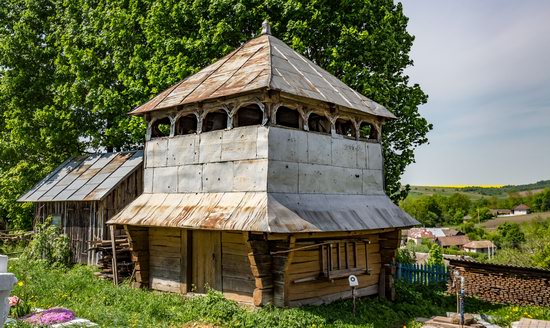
<point>302,277</point>
<point>83,221</point>
<point>167,259</point>
<point>237,279</point>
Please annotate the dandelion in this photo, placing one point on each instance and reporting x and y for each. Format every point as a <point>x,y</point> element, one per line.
<point>20,284</point>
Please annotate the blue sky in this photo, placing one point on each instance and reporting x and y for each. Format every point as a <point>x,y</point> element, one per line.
<point>485,65</point>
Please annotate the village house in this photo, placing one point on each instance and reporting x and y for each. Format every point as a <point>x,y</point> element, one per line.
<point>416,235</point>
<point>481,246</point>
<point>501,212</point>
<point>84,192</point>
<point>521,209</point>
<point>263,179</point>
<point>457,241</point>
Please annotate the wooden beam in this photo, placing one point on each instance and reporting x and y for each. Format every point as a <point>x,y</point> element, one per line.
<point>113,245</point>
<point>291,245</point>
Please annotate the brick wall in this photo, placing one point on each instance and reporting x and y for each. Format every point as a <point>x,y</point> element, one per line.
<point>503,283</point>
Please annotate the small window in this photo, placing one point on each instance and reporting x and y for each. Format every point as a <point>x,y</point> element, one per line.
<point>249,115</point>
<point>161,128</point>
<point>215,121</point>
<point>288,117</point>
<point>344,257</point>
<point>56,220</point>
<point>186,125</point>
<point>318,123</point>
<point>345,128</point>
<point>368,131</point>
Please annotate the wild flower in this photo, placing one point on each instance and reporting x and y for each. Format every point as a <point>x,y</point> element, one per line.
<point>50,317</point>
<point>13,301</point>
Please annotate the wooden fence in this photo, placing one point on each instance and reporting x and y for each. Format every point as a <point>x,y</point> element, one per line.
<point>423,274</point>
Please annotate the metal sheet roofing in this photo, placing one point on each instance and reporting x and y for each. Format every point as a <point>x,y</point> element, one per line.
<point>87,177</point>
<point>263,62</point>
<point>264,212</point>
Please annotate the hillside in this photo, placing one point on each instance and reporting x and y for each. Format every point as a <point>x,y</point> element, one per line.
<point>476,192</point>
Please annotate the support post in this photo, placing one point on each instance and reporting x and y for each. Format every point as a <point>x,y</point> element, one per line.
<point>113,245</point>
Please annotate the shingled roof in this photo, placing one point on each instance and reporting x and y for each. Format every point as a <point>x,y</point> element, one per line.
<point>85,178</point>
<point>263,63</point>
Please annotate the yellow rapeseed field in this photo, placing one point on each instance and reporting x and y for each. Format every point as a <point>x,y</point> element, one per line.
<point>467,186</point>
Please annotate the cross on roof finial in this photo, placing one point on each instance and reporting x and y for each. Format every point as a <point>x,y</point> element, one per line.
<point>266,29</point>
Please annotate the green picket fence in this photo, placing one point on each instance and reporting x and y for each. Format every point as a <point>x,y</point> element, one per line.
<point>423,274</point>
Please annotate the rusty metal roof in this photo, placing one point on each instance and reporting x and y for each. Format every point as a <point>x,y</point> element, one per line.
<point>264,212</point>
<point>85,178</point>
<point>263,62</point>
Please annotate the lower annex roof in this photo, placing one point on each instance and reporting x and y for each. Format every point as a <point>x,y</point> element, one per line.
<point>264,212</point>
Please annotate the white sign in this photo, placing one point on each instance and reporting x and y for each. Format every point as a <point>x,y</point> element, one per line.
<point>353,281</point>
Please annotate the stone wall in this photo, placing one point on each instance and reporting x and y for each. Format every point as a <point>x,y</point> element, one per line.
<point>503,284</point>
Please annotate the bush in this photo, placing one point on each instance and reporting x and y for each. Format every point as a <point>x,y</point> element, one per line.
<point>49,244</point>
<point>405,255</point>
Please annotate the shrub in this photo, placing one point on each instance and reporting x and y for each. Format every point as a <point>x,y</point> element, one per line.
<point>49,244</point>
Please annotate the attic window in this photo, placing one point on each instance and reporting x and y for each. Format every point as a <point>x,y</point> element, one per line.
<point>161,128</point>
<point>186,124</point>
<point>288,117</point>
<point>344,257</point>
<point>368,131</point>
<point>216,120</point>
<point>345,128</point>
<point>249,115</point>
<point>318,123</point>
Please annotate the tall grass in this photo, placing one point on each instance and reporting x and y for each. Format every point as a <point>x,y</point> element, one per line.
<point>121,306</point>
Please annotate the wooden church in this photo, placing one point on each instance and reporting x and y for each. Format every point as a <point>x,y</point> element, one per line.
<point>263,179</point>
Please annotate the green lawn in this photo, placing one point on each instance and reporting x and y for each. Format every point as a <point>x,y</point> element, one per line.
<point>79,290</point>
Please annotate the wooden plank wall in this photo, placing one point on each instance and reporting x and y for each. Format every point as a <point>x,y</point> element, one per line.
<point>237,279</point>
<point>307,264</point>
<point>138,238</point>
<point>167,259</point>
<point>76,220</point>
<point>84,221</point>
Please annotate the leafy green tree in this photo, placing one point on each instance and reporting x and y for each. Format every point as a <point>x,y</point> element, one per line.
<point>70,70</point>
<point>542,258</point>
<point>509,235</point>
<point>472,231</point>
<point>435,256</point>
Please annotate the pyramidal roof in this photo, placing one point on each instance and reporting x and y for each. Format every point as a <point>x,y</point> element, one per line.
<point>263,63</point>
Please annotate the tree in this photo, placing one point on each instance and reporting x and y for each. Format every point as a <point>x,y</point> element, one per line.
<point>70,70</point>
<point>509,235</point>
<point>435,256</point>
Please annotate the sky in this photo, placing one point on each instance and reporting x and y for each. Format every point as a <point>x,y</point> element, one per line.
<point>485,65</point>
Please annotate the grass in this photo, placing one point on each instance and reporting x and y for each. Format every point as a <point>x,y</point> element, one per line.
<point>121,306</point>
<point>519,219</point>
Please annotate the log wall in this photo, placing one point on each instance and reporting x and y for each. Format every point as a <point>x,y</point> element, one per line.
<point>305,284</point>
<point>238,283</point>
<point>503,284</point>
<point>168,259</point>
<point>138,240</point>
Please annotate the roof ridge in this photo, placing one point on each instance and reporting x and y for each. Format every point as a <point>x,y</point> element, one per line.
<point>270,66</point>
<point>244,63</point>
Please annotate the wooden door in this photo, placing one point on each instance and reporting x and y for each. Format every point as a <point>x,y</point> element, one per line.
<point>207,260</point>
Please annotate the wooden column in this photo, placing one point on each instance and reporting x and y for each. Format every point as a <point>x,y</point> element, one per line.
<point>389,242</point>
<point>280,265</point>
<point>138,238</point>
<point>260,265</point>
